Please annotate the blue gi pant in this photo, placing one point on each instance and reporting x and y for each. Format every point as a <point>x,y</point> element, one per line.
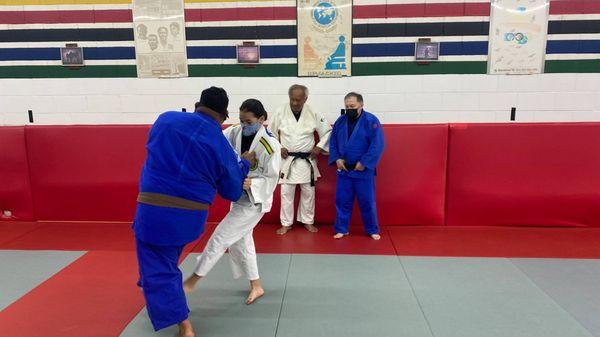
<point>364,190</point>
<point>161,281</point>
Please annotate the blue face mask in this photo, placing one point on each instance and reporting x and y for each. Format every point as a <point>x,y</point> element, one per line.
<point>249,130</point>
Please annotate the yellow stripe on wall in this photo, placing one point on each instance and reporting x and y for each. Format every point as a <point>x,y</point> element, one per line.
<point>61,2</point>
<point>97,2</point>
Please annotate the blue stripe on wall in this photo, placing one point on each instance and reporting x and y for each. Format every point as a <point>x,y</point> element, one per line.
<point>408,49</point>
<point>290,51</point>
<point>278,51</point>
<point>109,53</point>
<point>53,54</point>
<point>211,52</point>
<point>228,52</point>
<point>128,53</point>
<point>29,54</point>
<point>573,47</point>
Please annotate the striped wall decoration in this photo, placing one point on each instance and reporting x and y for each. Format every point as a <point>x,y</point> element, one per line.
<point>32,31</point>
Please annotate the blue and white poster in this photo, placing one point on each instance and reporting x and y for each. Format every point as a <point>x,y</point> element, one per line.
<point>518,33</point>
<point>324,38</point>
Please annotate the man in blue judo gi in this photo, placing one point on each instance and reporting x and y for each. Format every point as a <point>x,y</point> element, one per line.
<point>188,162</point>
<point>355,147</point>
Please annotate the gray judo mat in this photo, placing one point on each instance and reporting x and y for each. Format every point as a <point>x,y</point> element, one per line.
<point>356,295</point>
<point>21,271</point>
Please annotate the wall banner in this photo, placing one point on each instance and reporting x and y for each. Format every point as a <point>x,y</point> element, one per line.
<point>518,34</point>
<point>324,38</point>
<point>160,45</point>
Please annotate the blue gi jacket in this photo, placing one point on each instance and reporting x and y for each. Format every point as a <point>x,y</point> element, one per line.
<point>365,145</point>
<point>187,157</point>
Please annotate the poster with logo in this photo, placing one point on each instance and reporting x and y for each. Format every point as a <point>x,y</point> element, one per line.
<point>324,38</point>
<point>160,44</point>
<point>518,33</point>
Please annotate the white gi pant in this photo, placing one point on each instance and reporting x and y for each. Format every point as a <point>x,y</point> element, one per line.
<point>234,232</point>
<point>306,206</point>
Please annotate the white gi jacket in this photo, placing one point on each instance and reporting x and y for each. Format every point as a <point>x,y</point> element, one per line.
<point>298,136</point>
<point>265,173</point>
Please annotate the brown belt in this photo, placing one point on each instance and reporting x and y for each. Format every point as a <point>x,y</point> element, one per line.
<point>163,200</point>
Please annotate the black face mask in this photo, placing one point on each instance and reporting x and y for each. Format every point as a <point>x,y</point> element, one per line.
<point>351,113</point>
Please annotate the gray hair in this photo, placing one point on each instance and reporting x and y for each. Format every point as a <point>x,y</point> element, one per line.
<point>356,95</point>
<point>298,87</point>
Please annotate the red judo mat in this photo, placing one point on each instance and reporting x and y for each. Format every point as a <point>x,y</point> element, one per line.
<point>96,295</point>
<point>497,242</point>
<point>396,240</point>
<point>11,231</point>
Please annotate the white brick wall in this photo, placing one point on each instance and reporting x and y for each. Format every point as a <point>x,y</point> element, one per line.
<point>396,99</point>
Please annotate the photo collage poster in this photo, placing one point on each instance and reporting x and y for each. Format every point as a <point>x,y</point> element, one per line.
<point>160,43</point>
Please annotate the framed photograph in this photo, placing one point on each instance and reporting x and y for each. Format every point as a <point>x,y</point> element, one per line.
<point>427,51</point>
<point>248,54</point>
<point>71,56</point>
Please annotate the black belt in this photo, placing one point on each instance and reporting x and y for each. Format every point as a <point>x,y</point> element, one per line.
<point>304,156</point>
<point>352,167</point>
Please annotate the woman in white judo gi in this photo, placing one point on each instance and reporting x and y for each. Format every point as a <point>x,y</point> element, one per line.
<point>234,232</point>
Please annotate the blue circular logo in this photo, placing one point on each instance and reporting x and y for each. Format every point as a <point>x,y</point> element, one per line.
<point>519,38</point>
<point>324,13</point>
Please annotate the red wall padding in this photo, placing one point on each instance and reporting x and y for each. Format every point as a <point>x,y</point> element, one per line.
<point>91,173</point>
<point>410,183</point>
<point>85,172</point>
<point>524,174</point>
<point>15,189</point>
<point>498,174</point>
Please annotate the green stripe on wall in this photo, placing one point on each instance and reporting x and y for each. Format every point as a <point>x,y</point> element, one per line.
<point>237,70</point>
<point>573,66</point>
<point>412,68</point>
<point>204,70</point>
<point>289,70</point>
<point>64,72</point>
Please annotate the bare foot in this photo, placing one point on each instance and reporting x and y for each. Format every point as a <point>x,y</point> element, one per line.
<point>186,329</point>
<point>190,283</point>
<point>311,228</point>
<point>255,293</point>
<point>283,230</point>
<point>339,235</point>
<point>375,236</point>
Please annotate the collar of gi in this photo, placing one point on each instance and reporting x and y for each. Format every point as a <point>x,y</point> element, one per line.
<point>211,113</point>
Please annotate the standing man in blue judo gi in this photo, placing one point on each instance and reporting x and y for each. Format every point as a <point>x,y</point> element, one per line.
<point>188,162</point>
<point>355,147</point>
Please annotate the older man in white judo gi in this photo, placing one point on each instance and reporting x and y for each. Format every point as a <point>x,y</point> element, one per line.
<point>234,232</point>
<point>295,124</point>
